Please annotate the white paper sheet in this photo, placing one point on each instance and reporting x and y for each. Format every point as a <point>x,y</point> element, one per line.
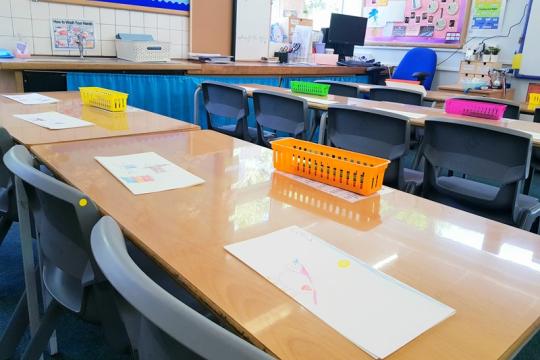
<point>316,100</point>
<point>335,191</point>
<point>373,310</point>
<point>148,173</point>
<point>32,99</point>
<point>411,115</point>
<point>54,120</point>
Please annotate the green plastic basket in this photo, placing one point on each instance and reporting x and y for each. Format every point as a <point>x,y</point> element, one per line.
<point>305,87</point>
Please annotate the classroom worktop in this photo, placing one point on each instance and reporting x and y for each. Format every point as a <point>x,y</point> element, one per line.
<point>190,67</point>
<point>486,271</point>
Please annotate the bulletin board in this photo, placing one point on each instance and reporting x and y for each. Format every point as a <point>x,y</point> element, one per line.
<point>429,23</point>
<point>176,7</point>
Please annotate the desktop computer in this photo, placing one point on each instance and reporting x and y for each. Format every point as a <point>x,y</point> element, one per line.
<point>344,33</point>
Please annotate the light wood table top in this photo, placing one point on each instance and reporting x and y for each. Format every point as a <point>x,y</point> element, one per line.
<point>525,126</point>
<point>107,124</point>
<point>487,271</point>
<point>260,68</point>
<point>93,63</point>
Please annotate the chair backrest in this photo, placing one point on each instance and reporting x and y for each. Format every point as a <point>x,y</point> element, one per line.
<point>536,118</point>
<point>8,205</point>
<point>280,112</point>
<point>168,325</point>
<point>417,60</point>
<point>512,108</point>
<point>492,154</point>
<point>63,218</point>
<point>224,100</point>
<point>373,132</point>
<point>402,96</point>
<point>341,88</point>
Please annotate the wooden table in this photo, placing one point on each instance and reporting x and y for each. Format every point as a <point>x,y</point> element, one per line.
<point>525,126</point>
<point>487,271</point>
<point>107,124</point>
<point>494,93</point>
<point>438,96</point>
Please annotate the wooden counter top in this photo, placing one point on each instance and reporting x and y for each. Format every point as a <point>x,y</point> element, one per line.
<point>260,68</point>
<point>67,63</point>
<point>92,63</point>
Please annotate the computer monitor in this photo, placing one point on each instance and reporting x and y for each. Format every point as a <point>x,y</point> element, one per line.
<point>345,32</point>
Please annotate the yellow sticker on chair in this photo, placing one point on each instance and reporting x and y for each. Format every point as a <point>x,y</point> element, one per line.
<point>83,202</point>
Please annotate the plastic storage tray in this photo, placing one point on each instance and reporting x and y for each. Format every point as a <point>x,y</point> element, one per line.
<point>104,98</point>
<point>306,87</point>
<point>359,173</point>
<point>534,101</point>
<point>479,109</point>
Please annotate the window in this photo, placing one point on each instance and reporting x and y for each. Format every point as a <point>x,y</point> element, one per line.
<point>317,10</point>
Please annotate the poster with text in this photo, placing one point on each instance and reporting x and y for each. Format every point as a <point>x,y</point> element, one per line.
<point>487,17</point>
<point>65,34</point>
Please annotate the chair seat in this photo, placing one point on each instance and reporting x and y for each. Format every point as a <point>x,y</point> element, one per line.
<point>413,180</point>
<point>484,192</point>
<point>252,132</point>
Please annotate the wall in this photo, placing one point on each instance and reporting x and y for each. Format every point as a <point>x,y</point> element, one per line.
<point>30,21</point>
<point>447,73</point>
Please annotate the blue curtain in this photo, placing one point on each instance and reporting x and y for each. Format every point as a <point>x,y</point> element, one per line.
<point>172,95</point>
<point>169,95</point>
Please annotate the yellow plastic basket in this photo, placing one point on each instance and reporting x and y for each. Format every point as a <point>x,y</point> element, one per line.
<point>534,101</point>
<point>359,173</point>
<point>104,98</point>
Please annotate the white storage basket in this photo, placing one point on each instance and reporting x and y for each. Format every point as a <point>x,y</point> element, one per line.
<point>143,51</point>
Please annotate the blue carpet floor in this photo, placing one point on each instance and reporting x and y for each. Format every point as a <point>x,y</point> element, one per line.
<point>79,340</point>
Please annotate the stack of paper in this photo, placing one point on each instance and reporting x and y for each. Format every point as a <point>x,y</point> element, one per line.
<point>148,172</point>
<point>373,310</point>
<point>32,99</point>
<point>54,120</point>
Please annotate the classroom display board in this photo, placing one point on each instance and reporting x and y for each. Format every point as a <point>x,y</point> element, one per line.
<point>211,27</point>
<point>430,23</point>
<point>529,47</point>
<point>252,29</point>
<point>163,6</point>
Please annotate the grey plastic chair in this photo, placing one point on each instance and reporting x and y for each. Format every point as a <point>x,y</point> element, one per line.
<point>496,158</point>
<point>8,203</point>
<point>165,328</point>
<point>512,108</point>
<point>535,159</point>
<point>341,88</point>
<point>62,218</point>
<point>408,97</point>
<point>229,101</point>
<point>377,133</point>
<point>281,113</point>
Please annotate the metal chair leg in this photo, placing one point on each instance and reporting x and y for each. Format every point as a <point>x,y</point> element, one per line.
<point>40,340</point>
<point>15,329</point>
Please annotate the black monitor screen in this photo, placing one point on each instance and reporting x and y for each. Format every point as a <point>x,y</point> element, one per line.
<point>347,29</point>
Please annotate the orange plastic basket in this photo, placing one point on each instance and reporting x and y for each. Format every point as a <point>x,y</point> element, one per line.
<point>359,173</point>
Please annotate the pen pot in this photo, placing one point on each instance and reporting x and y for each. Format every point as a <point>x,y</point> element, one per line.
<point>282,56</point>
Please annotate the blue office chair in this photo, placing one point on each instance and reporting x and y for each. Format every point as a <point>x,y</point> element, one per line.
<point>417,64</point>
<point>159,325</point>
<point>279,113</point>
<point>496,161</point>
<point>377,133</point>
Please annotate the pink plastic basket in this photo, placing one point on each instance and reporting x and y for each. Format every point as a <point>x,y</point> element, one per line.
<point>479,109</point>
